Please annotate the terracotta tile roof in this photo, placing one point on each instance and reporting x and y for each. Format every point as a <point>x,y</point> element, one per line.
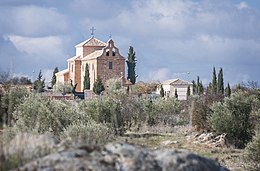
<point>91,42</point>
<point>93,55</point>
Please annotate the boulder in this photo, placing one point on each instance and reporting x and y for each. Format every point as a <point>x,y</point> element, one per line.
<point>122,157</point>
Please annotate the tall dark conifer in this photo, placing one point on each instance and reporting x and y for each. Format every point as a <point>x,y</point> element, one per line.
<point>176,93</point>
<point>86,78</point>
<point>214,81</point>
<point>98,86</point>
<point>194,87</point>
<point>220,86</point>
<point>53,80</point>
<point>39,84</point>
<point>131,64</point>
<point>188,91</point>
<point>198,85</point>
<point>162,91</point>
<point>228,91</point>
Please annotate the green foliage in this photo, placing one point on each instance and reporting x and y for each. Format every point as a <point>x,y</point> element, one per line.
<point>233,118</point>
<point>162,111</point>
<point>162,91</point>
<point>39,84</point>
<point>200,113</point>
<point>10,163</point>
<point>214,82</point>
<point>194,87</point>
<point>53,80</point>
<point>98,86</point>
<point>197,87</point>
<point>86,82</point>
<point>176,93</point>
<point>188,91</point>
<point>39,114</point>
<point>252,154</point>
<point>63,88</point>
<point>220,86</point>
<point>114,87</point>
<point>87,133</point>
<point>228,91</point>
<point>131,64</point>
<point>10,101</point>
<point>106,110</point>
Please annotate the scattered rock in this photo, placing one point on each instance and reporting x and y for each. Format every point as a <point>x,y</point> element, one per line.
<point>208,139</point>
<point>168,142</point>
<point>122,157</point>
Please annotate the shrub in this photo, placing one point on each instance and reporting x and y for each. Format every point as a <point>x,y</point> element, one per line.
<point>105,109</point>
<point>63,88</point>
<point>233,118</point>
<point>200,114</point>
<point>10,101</point>
<point>162,111</point>
<point>252,154</point>
<point>87,133</point>
<point>40,114</point>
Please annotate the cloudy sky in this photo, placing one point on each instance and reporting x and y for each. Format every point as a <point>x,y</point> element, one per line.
<point>171,38</point>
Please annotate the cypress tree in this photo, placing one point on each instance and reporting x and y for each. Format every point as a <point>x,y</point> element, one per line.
<point>162,91</point>
<point>214,81</point>
<point>98,86</point>
<point>194,87</point>
<point>200,88</point>
<point>53,80</point>
<point>220,87</point>
<point>228,91</point>
<point>39,84</point>
<point>131,64</point>
<point>188,91</point>
<point>198,85</point>
<point>176,93</point>
<point>86,78</point>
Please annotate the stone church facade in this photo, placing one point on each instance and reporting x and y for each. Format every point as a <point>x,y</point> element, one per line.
<point>103,59</point>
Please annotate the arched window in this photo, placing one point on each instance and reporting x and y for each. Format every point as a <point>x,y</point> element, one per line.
<point>113,52</point>
<point>107,52</point>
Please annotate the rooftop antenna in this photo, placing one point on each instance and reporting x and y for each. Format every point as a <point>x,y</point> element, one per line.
<point>92,31</point>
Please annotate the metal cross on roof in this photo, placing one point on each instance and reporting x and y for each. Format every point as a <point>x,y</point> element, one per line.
<point>92,31</point>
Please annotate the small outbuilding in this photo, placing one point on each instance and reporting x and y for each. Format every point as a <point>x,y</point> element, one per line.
<point>172,86</point>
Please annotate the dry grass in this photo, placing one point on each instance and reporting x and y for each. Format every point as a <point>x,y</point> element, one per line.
<point>177,138</point>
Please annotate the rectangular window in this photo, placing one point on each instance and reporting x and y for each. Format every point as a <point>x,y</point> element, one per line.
<point>110,65</point>
<point>71,67</point>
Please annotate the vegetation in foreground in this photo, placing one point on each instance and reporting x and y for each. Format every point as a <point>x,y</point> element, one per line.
<point>109,116</point>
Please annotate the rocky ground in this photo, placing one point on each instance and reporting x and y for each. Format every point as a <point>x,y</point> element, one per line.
<point>175,149</point>
<point>122,157</point>
<point>204,144</point>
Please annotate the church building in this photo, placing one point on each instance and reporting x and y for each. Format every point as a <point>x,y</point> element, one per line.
<point>103,59</point>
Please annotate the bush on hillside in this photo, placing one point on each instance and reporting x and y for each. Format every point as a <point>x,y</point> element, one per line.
<point>252,154</point>
<point>233,117</point>
<point>200,114</point>
<point>162,111</point>
<point>105,109</point>
<point>40,114</point>
<point>10,101</point>
<point>87,133</point>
